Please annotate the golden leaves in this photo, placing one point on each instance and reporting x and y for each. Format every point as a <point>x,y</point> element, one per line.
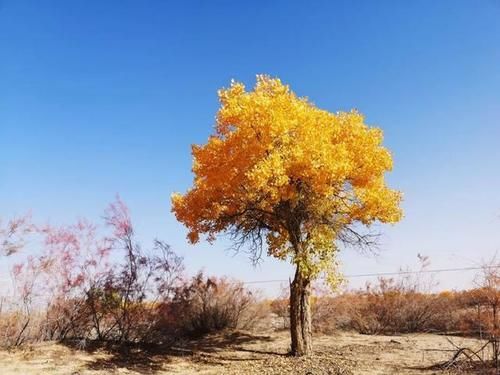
<point>272,147</point>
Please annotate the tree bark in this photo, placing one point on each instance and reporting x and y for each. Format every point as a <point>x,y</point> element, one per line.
<point>300,315</point>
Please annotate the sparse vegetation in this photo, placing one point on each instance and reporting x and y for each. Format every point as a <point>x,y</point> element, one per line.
<point>75,292</point>
<point>104,288</point>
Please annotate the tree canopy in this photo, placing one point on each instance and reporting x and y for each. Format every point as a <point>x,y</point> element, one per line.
<point>281,172</point>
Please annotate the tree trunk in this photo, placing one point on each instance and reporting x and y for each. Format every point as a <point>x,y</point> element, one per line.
<point>300,315</point>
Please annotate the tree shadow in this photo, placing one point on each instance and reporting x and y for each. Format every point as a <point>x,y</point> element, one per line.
<point>138,360</point>
<point>110,356</point>
<point>150,359</point>
<point>462,366</point>
<point>218,342</point>
<point>265,352</point>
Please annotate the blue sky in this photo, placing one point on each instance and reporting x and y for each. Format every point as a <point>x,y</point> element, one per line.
<point>98,98</point>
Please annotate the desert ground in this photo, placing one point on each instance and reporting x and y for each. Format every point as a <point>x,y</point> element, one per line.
<point>244,353</point>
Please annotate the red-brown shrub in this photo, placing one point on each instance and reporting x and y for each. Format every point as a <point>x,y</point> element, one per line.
<point>76,292</point>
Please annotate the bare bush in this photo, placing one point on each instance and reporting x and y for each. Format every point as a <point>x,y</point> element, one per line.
<point>396,305</point>
<point>206,305</point>
<point>403,305</point>
<point>281,308</point>
<point>485,303</point>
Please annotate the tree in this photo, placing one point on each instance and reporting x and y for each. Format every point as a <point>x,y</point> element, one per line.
<point>280,173</point>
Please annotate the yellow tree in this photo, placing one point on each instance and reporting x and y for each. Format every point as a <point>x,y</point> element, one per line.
<point>283,175</point>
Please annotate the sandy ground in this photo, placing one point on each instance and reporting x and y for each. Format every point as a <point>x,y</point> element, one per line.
<point>243,353</point>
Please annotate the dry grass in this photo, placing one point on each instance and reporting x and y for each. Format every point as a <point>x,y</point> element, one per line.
<point>242,353</point>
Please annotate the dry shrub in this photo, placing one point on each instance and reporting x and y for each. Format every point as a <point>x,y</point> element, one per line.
<point>66,318</point>
<point>381,310</point>
<point>205,305</point>
<point>485,300</point>
<point>17,328</point>
<point>280,307</point>
<point>400,305</point>
<point>389,306</point>
<point>326,313</point>
<point>392,311</point>
<point>11,328</point>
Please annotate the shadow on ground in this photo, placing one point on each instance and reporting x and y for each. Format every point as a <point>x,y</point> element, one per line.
<point>472,367</point>
<point>150,359</point>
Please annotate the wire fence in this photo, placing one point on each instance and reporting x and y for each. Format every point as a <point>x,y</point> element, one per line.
<point>381,274</point>
<point>349,276</point>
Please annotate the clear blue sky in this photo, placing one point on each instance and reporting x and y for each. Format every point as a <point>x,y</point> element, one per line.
<point>100,97</point>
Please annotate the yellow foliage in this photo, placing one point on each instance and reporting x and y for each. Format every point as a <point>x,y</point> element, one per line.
<point>279,166</point>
